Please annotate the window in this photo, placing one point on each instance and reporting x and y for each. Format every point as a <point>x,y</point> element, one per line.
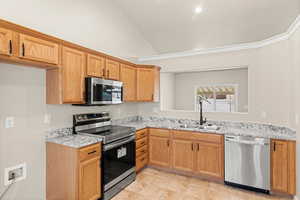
<point>221,98</point>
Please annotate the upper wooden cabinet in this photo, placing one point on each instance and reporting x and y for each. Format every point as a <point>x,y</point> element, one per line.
<point>283,166</point>
<point>148,80</point>
<point>128,77</point>
<point>40,50</point>
<point>95,66</point>
<point>159,148</point>
<point>112,70</point>
<point>6,37</point>
<point>73,73</point>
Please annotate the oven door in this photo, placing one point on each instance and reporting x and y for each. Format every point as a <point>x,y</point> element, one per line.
<point>118,161</point>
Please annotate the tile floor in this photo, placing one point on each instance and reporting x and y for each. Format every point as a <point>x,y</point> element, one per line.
<point>152,184</point>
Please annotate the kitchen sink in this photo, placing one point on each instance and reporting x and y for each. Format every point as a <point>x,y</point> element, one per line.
<point>200,127</point>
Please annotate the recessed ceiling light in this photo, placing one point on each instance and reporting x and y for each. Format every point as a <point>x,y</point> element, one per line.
<point>198,10</point>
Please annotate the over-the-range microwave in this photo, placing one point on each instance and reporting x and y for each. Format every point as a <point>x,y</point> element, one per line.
<point>102,92</point>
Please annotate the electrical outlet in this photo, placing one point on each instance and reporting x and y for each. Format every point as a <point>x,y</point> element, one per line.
<point>297,119</point>
<point>47,119</point>
<point>263,114</point>
<point>9,122</point>
<point>14,174</point>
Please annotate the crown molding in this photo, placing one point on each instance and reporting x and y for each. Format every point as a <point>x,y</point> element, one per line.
<point>229,48</point>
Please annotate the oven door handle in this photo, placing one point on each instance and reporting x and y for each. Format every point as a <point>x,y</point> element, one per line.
<point>118,143</point>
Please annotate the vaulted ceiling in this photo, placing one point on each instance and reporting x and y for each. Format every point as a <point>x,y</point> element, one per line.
<point>181,25</point>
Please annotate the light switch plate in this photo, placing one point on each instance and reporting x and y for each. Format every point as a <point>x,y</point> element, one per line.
<point>9,122</point>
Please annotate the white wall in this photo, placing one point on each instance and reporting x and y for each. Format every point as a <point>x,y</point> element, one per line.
<point>269,81</point>
<point>96,24</point>
<point>167,91</point>
<point>185,84</point>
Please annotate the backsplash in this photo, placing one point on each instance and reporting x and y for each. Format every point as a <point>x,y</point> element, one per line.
<point>227,126</point>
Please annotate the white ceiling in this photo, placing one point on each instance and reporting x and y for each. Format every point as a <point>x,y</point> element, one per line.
<point>172,25</point>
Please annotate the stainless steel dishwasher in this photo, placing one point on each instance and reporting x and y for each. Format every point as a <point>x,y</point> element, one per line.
<point>247,162</point>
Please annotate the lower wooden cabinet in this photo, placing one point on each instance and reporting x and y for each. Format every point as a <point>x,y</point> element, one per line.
<point>73,174</point>
<point>141,149</point>
<point>283,166</point>
<point>159,147</point>
<point>183,155</point>
<point>210,159</point>
<point>198,154</point>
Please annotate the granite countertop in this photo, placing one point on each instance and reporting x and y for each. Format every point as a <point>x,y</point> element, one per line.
<point>227,128</point>
<point>74,141</point>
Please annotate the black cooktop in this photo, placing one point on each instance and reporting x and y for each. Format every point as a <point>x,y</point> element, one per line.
<point>109,133</point>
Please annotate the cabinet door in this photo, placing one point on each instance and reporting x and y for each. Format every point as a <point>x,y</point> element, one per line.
<point>95,66</point>
<point>36,49</point>
<point>159,150</point>
<point>89,179</point>
<point>210,159</point>
<point>279,165</point>
<point>145,84</point>
<point>73,75</point>
<point>5,41</point>
<point>128,77</point>
<point>183,155</point>
<point>112,70</point>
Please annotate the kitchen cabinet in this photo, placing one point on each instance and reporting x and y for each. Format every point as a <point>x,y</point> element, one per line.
<point>112,70</point>
<point>183,155</point>
<point>36,49</point>
<point>95,66</point>
<point>73,173</point>
<point>283,171</point>
<point>89,179</point>
<point>73,74</point>
<point>159,147</point>
<point>129,77</point>
<point>210,159</point>
<point>198,153</point>
<point>141,149</point>
<point>6,37</point>
<point>145,84</point>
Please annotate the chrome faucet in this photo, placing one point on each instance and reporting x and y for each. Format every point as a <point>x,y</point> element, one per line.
<point>201,99</point>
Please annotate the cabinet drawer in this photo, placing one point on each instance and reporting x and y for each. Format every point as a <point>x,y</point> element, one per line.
<point>206,137</point>
<point>141,134</point>
<point>90,152</point>
<point>141,142</point>
<point>141,151</point>
<point>159,132</point>
<point>141,162</point>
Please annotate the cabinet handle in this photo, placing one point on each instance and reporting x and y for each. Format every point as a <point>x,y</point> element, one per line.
<point>168,143</point>
<point>92,152</point>
<point>274,146</point>
<point>10,47</point>
<point>23,49</point>
<point>198,147</point>
<point>192,147</point>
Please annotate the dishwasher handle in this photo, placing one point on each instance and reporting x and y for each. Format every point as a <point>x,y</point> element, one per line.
<point>247,142</point>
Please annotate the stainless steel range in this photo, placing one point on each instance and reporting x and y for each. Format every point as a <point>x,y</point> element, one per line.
<point>118,159</point>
